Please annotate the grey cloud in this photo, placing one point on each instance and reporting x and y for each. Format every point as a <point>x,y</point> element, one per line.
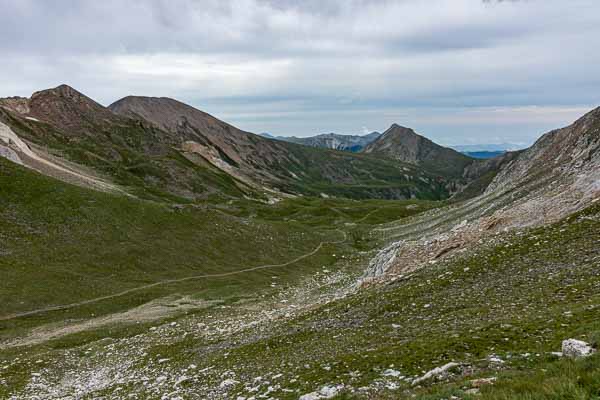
<point>278,64</point>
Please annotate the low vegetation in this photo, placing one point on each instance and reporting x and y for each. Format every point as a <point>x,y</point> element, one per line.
<point>499,310</point>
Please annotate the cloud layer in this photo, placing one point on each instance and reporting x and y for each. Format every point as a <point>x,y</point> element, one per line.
<point>458,71</point>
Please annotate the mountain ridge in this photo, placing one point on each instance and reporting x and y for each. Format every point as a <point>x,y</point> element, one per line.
<point>335,141</point>
<point>404,144</point>
<point>160,146</point>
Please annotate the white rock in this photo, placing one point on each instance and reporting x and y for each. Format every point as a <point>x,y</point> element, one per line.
<point>576,348</point>
<point>392,372</point>
<point>495,359</point>
<point>438,372</point>
<point>227,383</point>
<point>310,396</point>
<point>326,392</point>
<point>10,154</point>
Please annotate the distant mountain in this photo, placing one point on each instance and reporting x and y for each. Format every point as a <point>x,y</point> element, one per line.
<point>405,145</point>
<point>483,154</point>
<point>488,147</point>
<point>465,176</point>
<point>263,163</point>
<point>334,141</point>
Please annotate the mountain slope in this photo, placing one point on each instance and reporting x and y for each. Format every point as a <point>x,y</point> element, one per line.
<point>286,166</point>
<point>492,311</point>
<point>66,125</point>
<point>571,152</point>
<point>558,176</point>
<point>352,143</point>
<point>206,302</point>
<point>404,144</point>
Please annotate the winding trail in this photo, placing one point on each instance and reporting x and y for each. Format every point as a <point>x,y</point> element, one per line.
<point>169,281</point>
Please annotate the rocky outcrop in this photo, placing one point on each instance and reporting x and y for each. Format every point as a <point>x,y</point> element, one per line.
<point>326,392</point>
<point>16,104</point>
<point>380,264</point>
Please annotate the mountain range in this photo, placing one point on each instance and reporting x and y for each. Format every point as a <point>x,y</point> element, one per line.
<point>352,143</point>
<point>160,147</point>
<point>356,143</point>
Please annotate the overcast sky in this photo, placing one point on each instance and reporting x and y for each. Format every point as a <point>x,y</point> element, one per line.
<point>458,71</point>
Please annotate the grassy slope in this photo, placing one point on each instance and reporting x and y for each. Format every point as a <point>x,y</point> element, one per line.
<point>61,244</point>
<point>358,176</point>
<point>520,294</point>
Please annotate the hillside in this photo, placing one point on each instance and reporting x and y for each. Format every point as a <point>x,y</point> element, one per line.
<point>499,309</point>
<point>286,166</point>
<point>66,126</point>
<point>161,148</point>
<point>571,152</point>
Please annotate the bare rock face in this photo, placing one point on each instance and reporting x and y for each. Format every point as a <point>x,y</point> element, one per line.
<point>576,348</point>
<point>569,151</point>
<point>382,261</point>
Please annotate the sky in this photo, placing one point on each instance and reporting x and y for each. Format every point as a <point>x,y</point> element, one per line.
<point>457,71</point>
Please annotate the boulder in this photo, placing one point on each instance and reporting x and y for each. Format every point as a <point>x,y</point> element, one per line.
<point>437,373</point>
<point>576,348</point>
<point>326,392</point>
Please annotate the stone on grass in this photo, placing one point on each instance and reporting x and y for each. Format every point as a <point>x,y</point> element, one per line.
<point>576,348</point>
<point>326,392</point>
<point>438,373</point>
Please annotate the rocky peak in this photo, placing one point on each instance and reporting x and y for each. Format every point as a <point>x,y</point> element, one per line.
<point>69,110</point>
<point>399,129</point>
<point>64,93</point>
<point>406,145</point>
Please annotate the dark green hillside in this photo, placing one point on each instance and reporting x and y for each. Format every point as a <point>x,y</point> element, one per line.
<point>61,244</point>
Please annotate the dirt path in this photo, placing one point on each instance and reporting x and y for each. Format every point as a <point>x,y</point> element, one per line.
<point>169,281</point>
<point>367,215</point>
